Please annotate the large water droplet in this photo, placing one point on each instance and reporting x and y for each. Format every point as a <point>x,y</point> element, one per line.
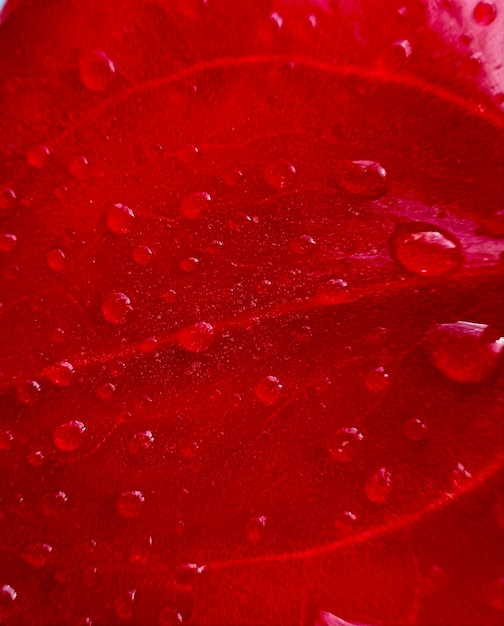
<point>303,245</point>
<point>96,70</point>
<point>280,175</point>
<point>54,503</point>
<point>189,265</point>
<point>7,200</point>
<point>124,605</point>
<point>345,445</point>
<point>141,443</point>
<point>485,12</point>
<point>120,219</point>
<point>142,255</point>
<point>196,338</point>
<point>79,167</point>
<point>115,308</point>
<point>56,260</point>
<point>363,179</point>
<point>377,380</point>
<point>37,554</point>
<point>7,242</point>
<point>426,250</point>
<point>61,374</point>
<point>464,351</point>
<point>194,204</point>
<point>68,437</point>
<point>379,486</point>
<point>130,504</point>
<point>28,391</point>
<point>268,390</point>
<point>38,156</point>
<point>8,597</point>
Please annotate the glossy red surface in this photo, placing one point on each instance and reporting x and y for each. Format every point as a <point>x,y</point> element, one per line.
<point>251,334</point>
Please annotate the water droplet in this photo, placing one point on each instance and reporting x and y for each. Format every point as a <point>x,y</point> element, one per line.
<point>379,486</point>
<point>169,296</point>
<point>149,346</point>
<point>115,308</point>
<point>130,504</point>
<point>58,335</point>
<point>194,204</point>
<point>125,604</point>
<point>460,477</point>
<point>214,247</point>
<point>325,618</point>
<point>116,368</point>
<point>38,156</point>
<point>106,392</point>
<point>377,380</point>
<point>37,554</point>
<point>62,374</point>
<point>96,70</point>
<point>414,429</point>
<point>6,440</point>
<point>493,225</point>
<point>233,177</point>
<point>303,245</point>
<point>8,242</point>
<point>56,260</point>
<point>268,390</point>
<point>196,338</point>
<point>168,616</point>
<point>79,167</point>
<point>28,391</point>
<point>345,445</point>
<point>464,351</point>
<point>8,596</point>
<point>363,179</point>
<point>36,458</point>
<point>7,200</point>
<point>54,503</point>
<point>426,250</point>
<point>255,528</point>
<point>485,12</point>
<point>395,56</point>
<point>189,265</point>
<point>68,437</point>
<point>141,443</point>
<point>142,255</point>
<point>119,219</point>
<point>333,291</point>
<point>472,65</point>
<point>280,175</point>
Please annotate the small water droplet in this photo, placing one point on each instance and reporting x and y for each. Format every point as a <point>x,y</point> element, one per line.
<point>485,12</point>
<point>106,392</point>
<point>255,528</point>
<point>395,56</point>
<point>280,175</point>
<point>379,486</point>
<point>28,391</point>
<point>62,374</point>
<point>460,477</point>
<point>377,380</point>
<point>149,346</point>
<point>8,242</point>
<point>37,554</point>
<point>363,179</point>
<point>414,429</point>
<point>36,458</point>
<point>79,167</point>
<point>54,503</point>
<point>233,177</point>
<point>120,219</point>
<point>169,296</point>
<point>7,200</point>
<point>333,291</point>
<point>96,70</point>
<point>38,156</point>
<point>8,596</point>
<point>6,440</point>
<point>345,445</point>
<point>464,351</point>
<point>189,265</point>
<point>142,255</point>
<point>303,245</point>
<point>268,390</point>
<point>56,260</point>
<point>130,504</point>
<point>196,338</point>
<point>426,250</point>
<point>194,204</point>
<point>116,307</point>
<point>214,247</point>
<point>68,437</point>
<point>141,443</point>
<point>124,605</point>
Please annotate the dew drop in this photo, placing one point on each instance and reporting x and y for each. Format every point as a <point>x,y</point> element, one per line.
<point>141,443</point>
<point>62,374</point>
<point>377,380</point>
<point>460,478</point>
<point>7,200</point>
<point>280,175</point>
<point>38,156</point>
<point>485,13</point>
<point>196,338</point>
<point>149,346</point>
<point>96,70</point>
<point>303,245</point>
<point>142,255</point>
<point>54,503</point>
<point>6,440</point>
<point>424,249</point>
<point>8,596</point>
<point>56,260</point>
<point>414,429</point>
<point>115,308</point>
<point>395,56</point>
<point>379,486</point>
<point>363,179</point>
<point>189,265</point>
<point>36,458</point>
<point>28,391</point>
<point>8,242</point>
<point>124,605</point>
<point>345,445</point>
<point>463,351</point>
<point>268,390</point>
<point>79,167</point>
<point>194,204</point>
<point>130,504</point>
<point>169,296</point>
<point>68,437</point>
<point>333,291</point>
<point>37,554</point>
<point>106,392</point>
<point>119,219</point>
<point>255,528</point>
